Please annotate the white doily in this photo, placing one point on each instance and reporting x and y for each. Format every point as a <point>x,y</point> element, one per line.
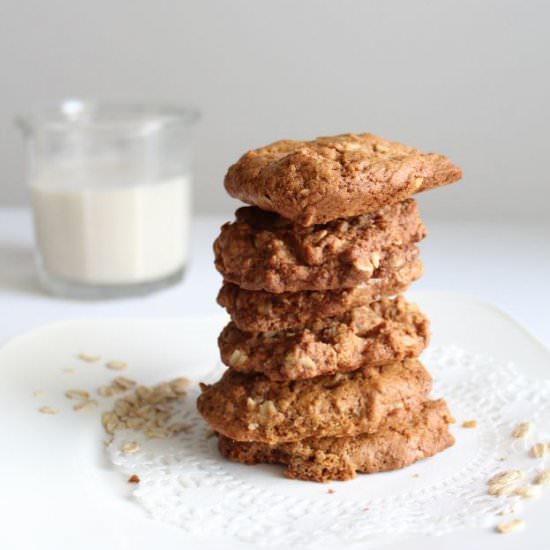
<point>185,482</point>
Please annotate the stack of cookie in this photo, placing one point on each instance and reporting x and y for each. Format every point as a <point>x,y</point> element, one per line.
<point>322,348</point>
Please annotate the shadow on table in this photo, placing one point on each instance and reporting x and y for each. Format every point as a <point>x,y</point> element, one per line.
<point>17,270</point>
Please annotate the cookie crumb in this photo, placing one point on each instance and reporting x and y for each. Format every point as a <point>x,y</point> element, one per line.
<point>133,479</point>
<point>469,424</point>
<point>416,475</point>
<point>511,526</point>
<point>331,491</point>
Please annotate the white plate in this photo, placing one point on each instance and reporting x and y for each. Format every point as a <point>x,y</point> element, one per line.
<point>57,489</point>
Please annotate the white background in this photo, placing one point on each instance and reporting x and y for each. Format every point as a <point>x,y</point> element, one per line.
<point>468,78</point>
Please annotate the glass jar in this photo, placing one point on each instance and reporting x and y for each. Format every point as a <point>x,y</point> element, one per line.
<point>111,196</point>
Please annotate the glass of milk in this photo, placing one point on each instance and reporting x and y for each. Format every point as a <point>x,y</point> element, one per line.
<point>111,196</point>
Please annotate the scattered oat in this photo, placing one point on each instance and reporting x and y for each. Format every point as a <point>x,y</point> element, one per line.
<point>513,509</point>
<point>508,476</point>
<point>148,409</point>
<point>510,526</point>
<point>469,424</point>
<point>117,365</point>
<point>109,421</point>
<point>133,479</point>
<point>501,490</point>
<point>89,358</point>
<point>522,430</point>
<point>179,427</point>
<point>130,447</point>
<point>46,409</point>
<point>504,483</point>
<point>39,394</point>
<point>543,478</point>
<point>331,491</point>
<point>77,394</point>
<point>106,391</point>
<point>539,450</point>
<point>528,491</point>
<point>180,385</point>
<point>68,370</point>
<point>124,383</point>
<point>86,405</point>
<point>156,433</point>
<point>253,426</point>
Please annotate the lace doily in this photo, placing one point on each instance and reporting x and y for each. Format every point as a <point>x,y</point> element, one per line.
<point>186,483</point>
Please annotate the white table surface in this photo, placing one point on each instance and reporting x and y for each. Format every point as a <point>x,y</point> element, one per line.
<point>507,265</point>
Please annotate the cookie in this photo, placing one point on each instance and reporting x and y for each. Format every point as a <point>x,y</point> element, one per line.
<point>313,182</point>
<point>402,439</point>
<point>260,311</point>
<point>262,251</point>
<point>390,329</point>
<point>248,407</point>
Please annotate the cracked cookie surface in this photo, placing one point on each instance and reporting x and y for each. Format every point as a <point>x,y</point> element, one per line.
<point>249,407</point>
<point>262,251</point>
<point>404,437</point>
<point>390,329</point>
<point>312,182</point>
<point>261,311</point>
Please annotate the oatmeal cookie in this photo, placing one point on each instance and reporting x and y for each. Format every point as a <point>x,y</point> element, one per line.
<point>262,251</point>
<point>261,311</point>
<point>388,330</point>
<point>313,182</point>
<point>404,437</point>
<point>248,407</point>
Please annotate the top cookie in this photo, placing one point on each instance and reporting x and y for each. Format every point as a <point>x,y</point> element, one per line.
<point>312,182</point>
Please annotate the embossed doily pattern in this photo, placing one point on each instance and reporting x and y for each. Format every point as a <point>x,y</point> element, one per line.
<point>185,482</point>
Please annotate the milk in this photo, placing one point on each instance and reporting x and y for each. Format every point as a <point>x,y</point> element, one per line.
<point>107,233</point>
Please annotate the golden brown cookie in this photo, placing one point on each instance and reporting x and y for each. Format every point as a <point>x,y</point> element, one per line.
<point>262,251</point>
<point>312,182</point>
<point>403,438</point>
<point>248,407</point>
<point>390,329</point>
<point>260,311</point>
